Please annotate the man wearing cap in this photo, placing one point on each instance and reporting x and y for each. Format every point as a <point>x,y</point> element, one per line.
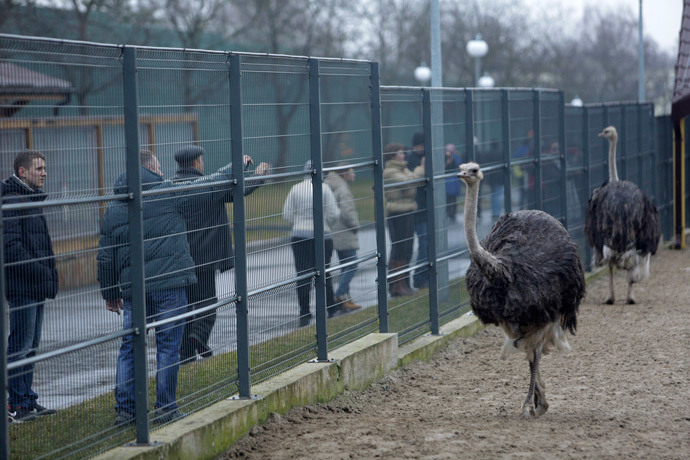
<point>210,242</point>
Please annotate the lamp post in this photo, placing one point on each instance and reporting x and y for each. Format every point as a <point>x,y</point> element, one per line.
<point>422,74</point>
<point>486,81</point>
<point>477,48</point>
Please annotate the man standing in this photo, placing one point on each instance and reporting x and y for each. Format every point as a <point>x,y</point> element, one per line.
<point>416,158</point>
<point>344,232</point>
<point>210,242</point>
<point>169,269</point>
<point>31,277</point>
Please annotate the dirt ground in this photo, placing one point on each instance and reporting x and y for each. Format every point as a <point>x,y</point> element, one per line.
<point>624,392</point>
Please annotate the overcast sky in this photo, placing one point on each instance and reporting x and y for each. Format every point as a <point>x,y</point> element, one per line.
<point>660,18</point>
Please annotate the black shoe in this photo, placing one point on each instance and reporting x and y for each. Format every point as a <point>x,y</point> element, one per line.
<point>203,349</point>
<point>39,410</point>
<point>19,415</point>
<point>305,320</point>
<point>160,418</point>
<point>124,418</point>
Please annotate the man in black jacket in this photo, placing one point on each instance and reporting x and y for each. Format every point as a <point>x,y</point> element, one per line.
<point>210,242</point>
<point>31,277</point>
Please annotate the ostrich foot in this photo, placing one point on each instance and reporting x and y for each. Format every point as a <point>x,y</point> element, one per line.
<point>542,407</point>
<point>630,301</point>
<point>528,411</point>
<point>609,301</point>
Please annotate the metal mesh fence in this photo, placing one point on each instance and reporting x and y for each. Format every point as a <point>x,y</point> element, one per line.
<point>348,219</point>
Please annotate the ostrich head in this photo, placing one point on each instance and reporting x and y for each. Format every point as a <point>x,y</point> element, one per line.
<point>609,133</point>
<point>470,173</point>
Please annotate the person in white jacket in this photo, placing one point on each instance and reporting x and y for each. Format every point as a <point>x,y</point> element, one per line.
<point>298,212</point>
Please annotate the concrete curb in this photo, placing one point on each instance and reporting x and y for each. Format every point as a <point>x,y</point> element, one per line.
<point>211,431</point>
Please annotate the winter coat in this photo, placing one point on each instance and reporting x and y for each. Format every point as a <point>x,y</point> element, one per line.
<point>400,200</point>
<point>345,230</point>
<point>209,235</point>
<point>167,260</point>
<point>414,161</point>
<point>29,260</point>
<point>298,209</point>
<point>453,183</point>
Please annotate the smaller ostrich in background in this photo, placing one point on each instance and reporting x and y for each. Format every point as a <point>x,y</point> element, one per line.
<point>525,277</point>
<point>621,224</point>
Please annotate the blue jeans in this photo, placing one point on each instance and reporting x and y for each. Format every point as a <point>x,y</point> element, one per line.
<point>346,255</point>
<point>26,321</point>
<point>421,276</point>
<point>160,305</point>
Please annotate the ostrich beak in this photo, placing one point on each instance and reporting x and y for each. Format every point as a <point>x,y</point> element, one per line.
<point>462,174</point>
<point>601,134</point>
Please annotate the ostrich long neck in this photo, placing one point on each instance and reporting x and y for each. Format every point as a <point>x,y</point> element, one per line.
<point>613,171</point>
<point>478,253</point>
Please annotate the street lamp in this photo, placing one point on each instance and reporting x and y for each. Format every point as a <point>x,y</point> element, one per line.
<point>576,102</point>
<point>422,74</point>
<point>477,48</point>
<point>486,81</point>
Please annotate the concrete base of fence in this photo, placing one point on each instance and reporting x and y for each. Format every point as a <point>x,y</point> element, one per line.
<point>210,432</point>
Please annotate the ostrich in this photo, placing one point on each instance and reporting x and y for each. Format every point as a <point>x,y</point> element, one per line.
<point>621,225</point>
<point>527,278</point>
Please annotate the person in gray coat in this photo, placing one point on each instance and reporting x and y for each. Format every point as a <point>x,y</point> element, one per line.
<point>168,269</point>
<point>344,233</point>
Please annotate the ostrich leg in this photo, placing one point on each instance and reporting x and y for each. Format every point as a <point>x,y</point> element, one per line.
<point>528,409</point>
<point>612,297</point>
<point>631,298</point>
<point>540,395</point>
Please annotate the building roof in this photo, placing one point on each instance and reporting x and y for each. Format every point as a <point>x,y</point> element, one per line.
<point>680,104</point>
<point>19,86</point>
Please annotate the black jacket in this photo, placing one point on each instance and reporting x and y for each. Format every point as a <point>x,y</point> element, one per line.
<point>209,235</point>
<point>29,260</point>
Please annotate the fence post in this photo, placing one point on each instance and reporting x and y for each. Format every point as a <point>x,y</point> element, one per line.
<point>239,227</point>
<point>4,307</point>
<point>640,150</point>
<point>319,231</point>
<point>654,153</point>
<point>469,126</point>
<point>536,114</point>
<point>564,164</point>
<point>430,210</point>
<point>136,242</point>
<point>588,176</point>
<point>505,130</point>
<point>623,145</point>
<point>379,197</point>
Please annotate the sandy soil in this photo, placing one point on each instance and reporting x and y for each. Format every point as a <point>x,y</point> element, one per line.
<point>624,392</point>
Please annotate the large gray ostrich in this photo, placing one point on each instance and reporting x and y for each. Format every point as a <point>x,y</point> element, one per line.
<point>527,278</point>
<point>621,224</point>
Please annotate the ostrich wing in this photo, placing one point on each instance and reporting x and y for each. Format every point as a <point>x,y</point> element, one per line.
<point>620,216</point>
<point>541,278</point>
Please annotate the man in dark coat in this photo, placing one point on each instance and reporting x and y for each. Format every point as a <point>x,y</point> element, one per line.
<point>168,268</point>
<point>415,158</point>
<point>31,277</point>
<point>208,233</point>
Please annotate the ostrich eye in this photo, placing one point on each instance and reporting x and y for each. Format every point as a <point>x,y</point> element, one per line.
<point>474,170</point>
